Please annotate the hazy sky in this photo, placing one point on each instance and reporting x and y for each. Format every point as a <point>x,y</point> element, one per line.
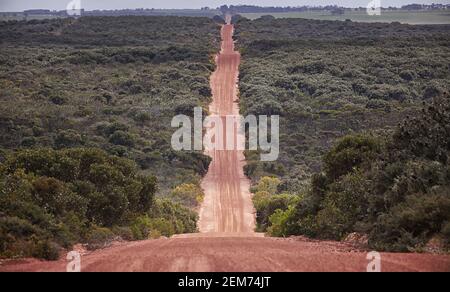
<point>20,5</point>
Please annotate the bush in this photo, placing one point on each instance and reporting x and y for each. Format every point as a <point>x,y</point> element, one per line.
<point>57,198</point>
<point>28,142</point>
<point>142,117</point>
<point>344,206</point>
<point>284,207</point>
<point>350,152</point>
<point>183,218</point>
<point>68,139</point>
<point>408,75</point>
<point>145,227</point>
<point>163,226</point>
<point>431,91</point>
<point>47,250</point>
<point>124,233</point>
<point>268,184</point>
<point>154,234</point>
<point>122,138</point>
<point>188,194</point>
<point>99,238</point>
<point>141,228</point>
<point>58,100</point>
<point>267,201</point>
<point>107,129</point>
<point>396,191</point>
<point>279,222</point>
<point>446,234</point>
<point>411,224</point>
<point>55,195</point>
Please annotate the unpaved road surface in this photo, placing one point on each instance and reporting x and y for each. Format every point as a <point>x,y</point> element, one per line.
<point>228,206</point>
<point>227,242</point>
<point>250,254</point>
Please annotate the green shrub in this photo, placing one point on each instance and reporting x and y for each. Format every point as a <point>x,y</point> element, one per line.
<point>145,227</point>
<point>397,193</point>
<point>344,205</point>
<point>350,152</point>
<point>56,194</point>
<point>446,234</point>
<point>267,201</point>
<point>267,184</point>
<point>267,205</point>
<point>124,233</point>
<point>279,222</point>
<point>163,226</point>
<point>141,228</point>
<point>154,234</point>
<point>47,250</point>
<point>188,194</point>
<point>58,100</point>
<point>99,238</point>
<point>68,139</point>
<point>28,142</point>
<point>122,138</point>
<point>183,218</point>
<point>412,223</point>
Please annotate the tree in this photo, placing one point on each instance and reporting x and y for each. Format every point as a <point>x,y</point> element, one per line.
<point>350,152</point>
<point>67,139</point>
<point>188,194</point>
<point>122,138</point>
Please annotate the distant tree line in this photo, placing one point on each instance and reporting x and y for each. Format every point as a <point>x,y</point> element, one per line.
<point>277,9</point>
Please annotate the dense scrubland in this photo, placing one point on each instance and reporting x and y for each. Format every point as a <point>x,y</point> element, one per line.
<point>85,113</point>
<point>364,129</point>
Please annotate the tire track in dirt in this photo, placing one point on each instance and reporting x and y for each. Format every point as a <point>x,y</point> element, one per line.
<point>232,254</point>
<point>227,207</point>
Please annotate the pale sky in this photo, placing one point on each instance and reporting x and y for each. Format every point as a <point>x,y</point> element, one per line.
<point>20,5</point>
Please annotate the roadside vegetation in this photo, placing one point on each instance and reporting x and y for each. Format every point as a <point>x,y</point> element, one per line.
<point>364,129</point>
<point>85,112</point>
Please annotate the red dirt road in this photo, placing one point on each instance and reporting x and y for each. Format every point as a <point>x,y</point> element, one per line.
<point>230,254</point>
<point>227,242</point>
<point>228,206</point>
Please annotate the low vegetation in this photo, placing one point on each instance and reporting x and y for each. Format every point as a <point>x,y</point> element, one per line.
<point>51,199</point>
<point>348,162</point>
<point>395,189</point>
<point>109,83</point>
<point>85,112</point>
